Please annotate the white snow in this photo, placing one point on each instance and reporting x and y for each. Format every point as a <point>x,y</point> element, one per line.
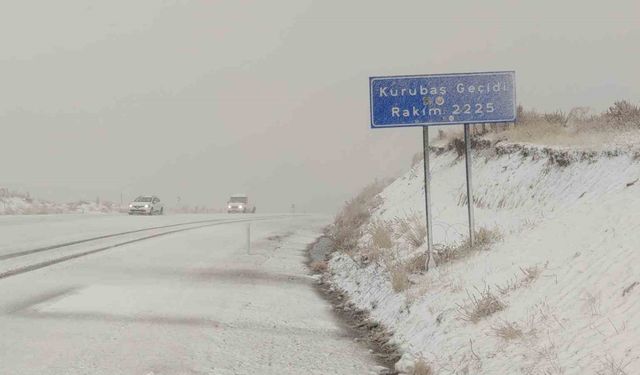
<point>12,203</point>
<point>577,224</point>
<point>23,232</point>
<point>194,302</point>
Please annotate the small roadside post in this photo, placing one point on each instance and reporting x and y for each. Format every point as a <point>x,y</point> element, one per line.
<point>443,99</point>
<point>249,238</point>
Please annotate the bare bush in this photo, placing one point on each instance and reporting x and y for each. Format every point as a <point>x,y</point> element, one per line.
<point>507,330</point>
<point>416,264</point>
<point>623,113</point>
<point>319,266</point>
<point>479,306</point>
<point>417,233</point>
<point>484,238</point>
<point>347,227</point>
<point>578,126</point>
<point>557,117</point>
<point>399,279</point>
<point>422,367</point>
<point>413,229</point>
<point>380,232</point>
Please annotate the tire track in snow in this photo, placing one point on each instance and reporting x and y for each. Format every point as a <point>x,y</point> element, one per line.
<point>76,242</point>
<point>51,262</point>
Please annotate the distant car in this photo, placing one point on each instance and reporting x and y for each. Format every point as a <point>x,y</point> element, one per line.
<point>239,203</point>
<point>146,205</point>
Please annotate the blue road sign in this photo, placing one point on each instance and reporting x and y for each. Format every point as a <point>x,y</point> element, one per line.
<point>442,99</point>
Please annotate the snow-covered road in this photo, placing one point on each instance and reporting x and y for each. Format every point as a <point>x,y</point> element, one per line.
<point>192,302</point>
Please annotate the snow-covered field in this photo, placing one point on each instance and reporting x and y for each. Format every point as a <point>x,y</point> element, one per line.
<point>194,302</point>
<point>12,203</point>
<point>564,274</point>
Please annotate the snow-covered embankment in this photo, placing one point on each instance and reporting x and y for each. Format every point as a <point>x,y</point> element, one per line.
<point>557,293</point>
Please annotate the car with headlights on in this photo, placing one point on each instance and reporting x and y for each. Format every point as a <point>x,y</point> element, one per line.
<point>239,203</point>
<point>146,205</point>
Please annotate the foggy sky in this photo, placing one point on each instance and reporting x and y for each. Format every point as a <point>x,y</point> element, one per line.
<point>202,99</point>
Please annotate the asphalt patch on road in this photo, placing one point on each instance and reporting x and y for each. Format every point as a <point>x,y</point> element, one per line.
<point>357,322</point>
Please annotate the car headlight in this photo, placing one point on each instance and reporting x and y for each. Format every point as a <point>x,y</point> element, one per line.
<point>130,206</point>
<point>240,206</point>
<point>146,206</point>
<point>229,206</point>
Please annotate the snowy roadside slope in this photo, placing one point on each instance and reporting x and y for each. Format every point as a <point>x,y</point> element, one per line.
<point>566,269</point>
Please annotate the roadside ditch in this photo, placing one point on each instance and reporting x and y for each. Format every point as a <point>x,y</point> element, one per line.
<point>364,330</point>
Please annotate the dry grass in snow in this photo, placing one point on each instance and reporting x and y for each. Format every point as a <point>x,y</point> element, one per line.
<point>611,366</point>
<point>480,305</point>
<point>381,233</point>
<point>581,126</point>
<point>416,263</point>
<point>348,224</point>
<point>421,367</point>
<point>413,229</point>
<point>507,330</point>
<point>399,279</point>
<point>528,276</point>
<point>319,266</point>
<point>483,239</point>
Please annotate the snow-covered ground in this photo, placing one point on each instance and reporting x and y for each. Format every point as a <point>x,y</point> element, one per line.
<point>566,269</point>
<point>12,203</point>
<point>21,232</point>
<point>195,302</point>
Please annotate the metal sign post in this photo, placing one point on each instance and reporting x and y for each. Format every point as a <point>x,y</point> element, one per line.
<point>467,160</point>
<point>427,194</point>
<point>443,99</point>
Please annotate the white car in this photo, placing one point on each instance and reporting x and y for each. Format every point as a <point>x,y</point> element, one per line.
<point>146,205</point>
<point>239,203</point>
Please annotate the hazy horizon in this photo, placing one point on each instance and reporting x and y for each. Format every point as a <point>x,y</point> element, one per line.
<point>204,99</point>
